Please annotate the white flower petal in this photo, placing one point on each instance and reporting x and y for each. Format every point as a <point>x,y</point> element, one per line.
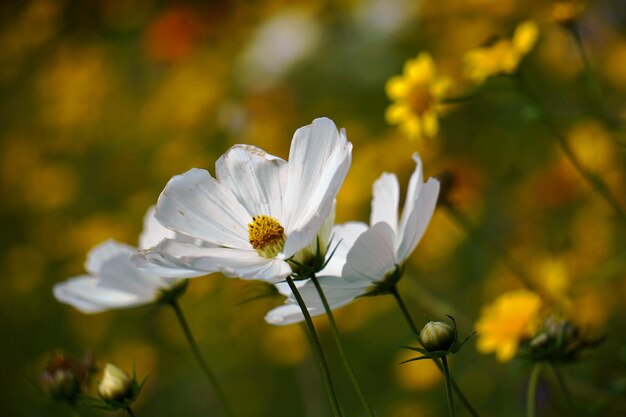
<point>195,204</point>
<point>153,232</point>
<point>418,210</point>
<point>154,261</point>
<point>385,201</point>
<point>91,295</point>
<point>372,256</point>
<point>246,264</point>
<point>103,253</point>
<point>338,294</point>
<point>256,178</point>
<point>343,237</point>
<point>319,160</point>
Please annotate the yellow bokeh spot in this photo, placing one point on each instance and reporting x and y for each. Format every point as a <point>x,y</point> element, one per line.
<point>417,375</point>
<point>285,345</point>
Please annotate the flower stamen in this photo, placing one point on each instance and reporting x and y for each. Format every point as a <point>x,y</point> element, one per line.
<point>266,235</point>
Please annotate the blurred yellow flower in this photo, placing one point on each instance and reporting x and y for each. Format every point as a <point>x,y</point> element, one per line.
<point>566,12</point>
<point>511,318</point>
<point>416,96</point>
<point>502,57</point>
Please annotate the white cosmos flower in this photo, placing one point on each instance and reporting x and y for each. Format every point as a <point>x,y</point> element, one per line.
<point>113,281</point>
<point>366,257</point>
<point>257,213</point>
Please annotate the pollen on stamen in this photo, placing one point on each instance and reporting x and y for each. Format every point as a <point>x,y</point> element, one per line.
<point>266,235</point>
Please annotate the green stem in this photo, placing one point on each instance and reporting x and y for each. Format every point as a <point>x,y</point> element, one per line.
<point>342,352</point>
<point>563,386</point>
<point>203,364</point>
<point>531,393</point>
<point>317,348</point>
<point>593,87</point>
<point>413,327</point>
<point>593,180</point>
<point>448,378</point>
<point>130,411</point>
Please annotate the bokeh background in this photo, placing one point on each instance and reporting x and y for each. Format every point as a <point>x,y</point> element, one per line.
<point>103,101</point>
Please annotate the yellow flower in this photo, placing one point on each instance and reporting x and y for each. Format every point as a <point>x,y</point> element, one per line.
<point>510,319</point>
<point>502,57</point>
<point>416,96</point>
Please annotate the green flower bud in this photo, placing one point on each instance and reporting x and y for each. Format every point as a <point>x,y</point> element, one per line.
<point>437,335</point>
<point>115,384</point>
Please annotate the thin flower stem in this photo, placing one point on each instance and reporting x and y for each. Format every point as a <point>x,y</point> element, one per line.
<point>413,327</point>
<point>448,378</point>
<point>594,181</point>
<point>317,348</point>
<point>203,364</point>
<point>342,352</point>
<point>561,381</point>
<point>130,411</point>
<point>593,87</point>
<point>531,393</point>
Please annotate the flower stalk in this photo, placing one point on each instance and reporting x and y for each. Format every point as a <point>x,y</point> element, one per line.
<point>561,381</point>
<point>448,378</point>
<point>531,393</point>
<point>317,348</point>
<point>340,348</point>
<point>407,316</point>
<point>593,180</point>
<point>199,358</point>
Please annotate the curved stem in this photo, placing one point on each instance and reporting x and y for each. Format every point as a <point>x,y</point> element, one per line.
<point>593,180</point>
<point>413,327</point>
<point>130,411</point>
<point>593,86</point>
<point>342,352</point>
<point>563,386</point>
<point>448,378</point>
<point>203,364</point>
<point>317,348</point>
<point>531,393</point>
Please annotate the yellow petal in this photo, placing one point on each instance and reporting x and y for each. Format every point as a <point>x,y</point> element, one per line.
<point>430,123</point>
<point>397,113</point>
<point>396,88</point>
<point>525,37</point>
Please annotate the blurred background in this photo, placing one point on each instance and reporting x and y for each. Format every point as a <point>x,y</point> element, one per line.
<point>103,101</point>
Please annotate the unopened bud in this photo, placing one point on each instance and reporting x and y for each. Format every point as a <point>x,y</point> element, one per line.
<point>115,384</point>
<point>437,335</point>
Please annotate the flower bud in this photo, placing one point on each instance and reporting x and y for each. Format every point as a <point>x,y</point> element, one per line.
<point>115,384</point>
<point>64,378</point>
<point>437,335</point>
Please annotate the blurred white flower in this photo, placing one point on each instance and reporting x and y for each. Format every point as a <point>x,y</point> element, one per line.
<point>368,258</point>
<point>113,281</point>
<point>258,212</point>
<point>278,44</point>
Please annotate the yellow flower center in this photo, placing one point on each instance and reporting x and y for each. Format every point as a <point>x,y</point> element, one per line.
<point>420,99</point>
<point>266,235</point>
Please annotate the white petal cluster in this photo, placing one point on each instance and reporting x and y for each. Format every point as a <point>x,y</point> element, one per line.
<point>366,256</point>
<point>112,281</point>
<point>258,218</point>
